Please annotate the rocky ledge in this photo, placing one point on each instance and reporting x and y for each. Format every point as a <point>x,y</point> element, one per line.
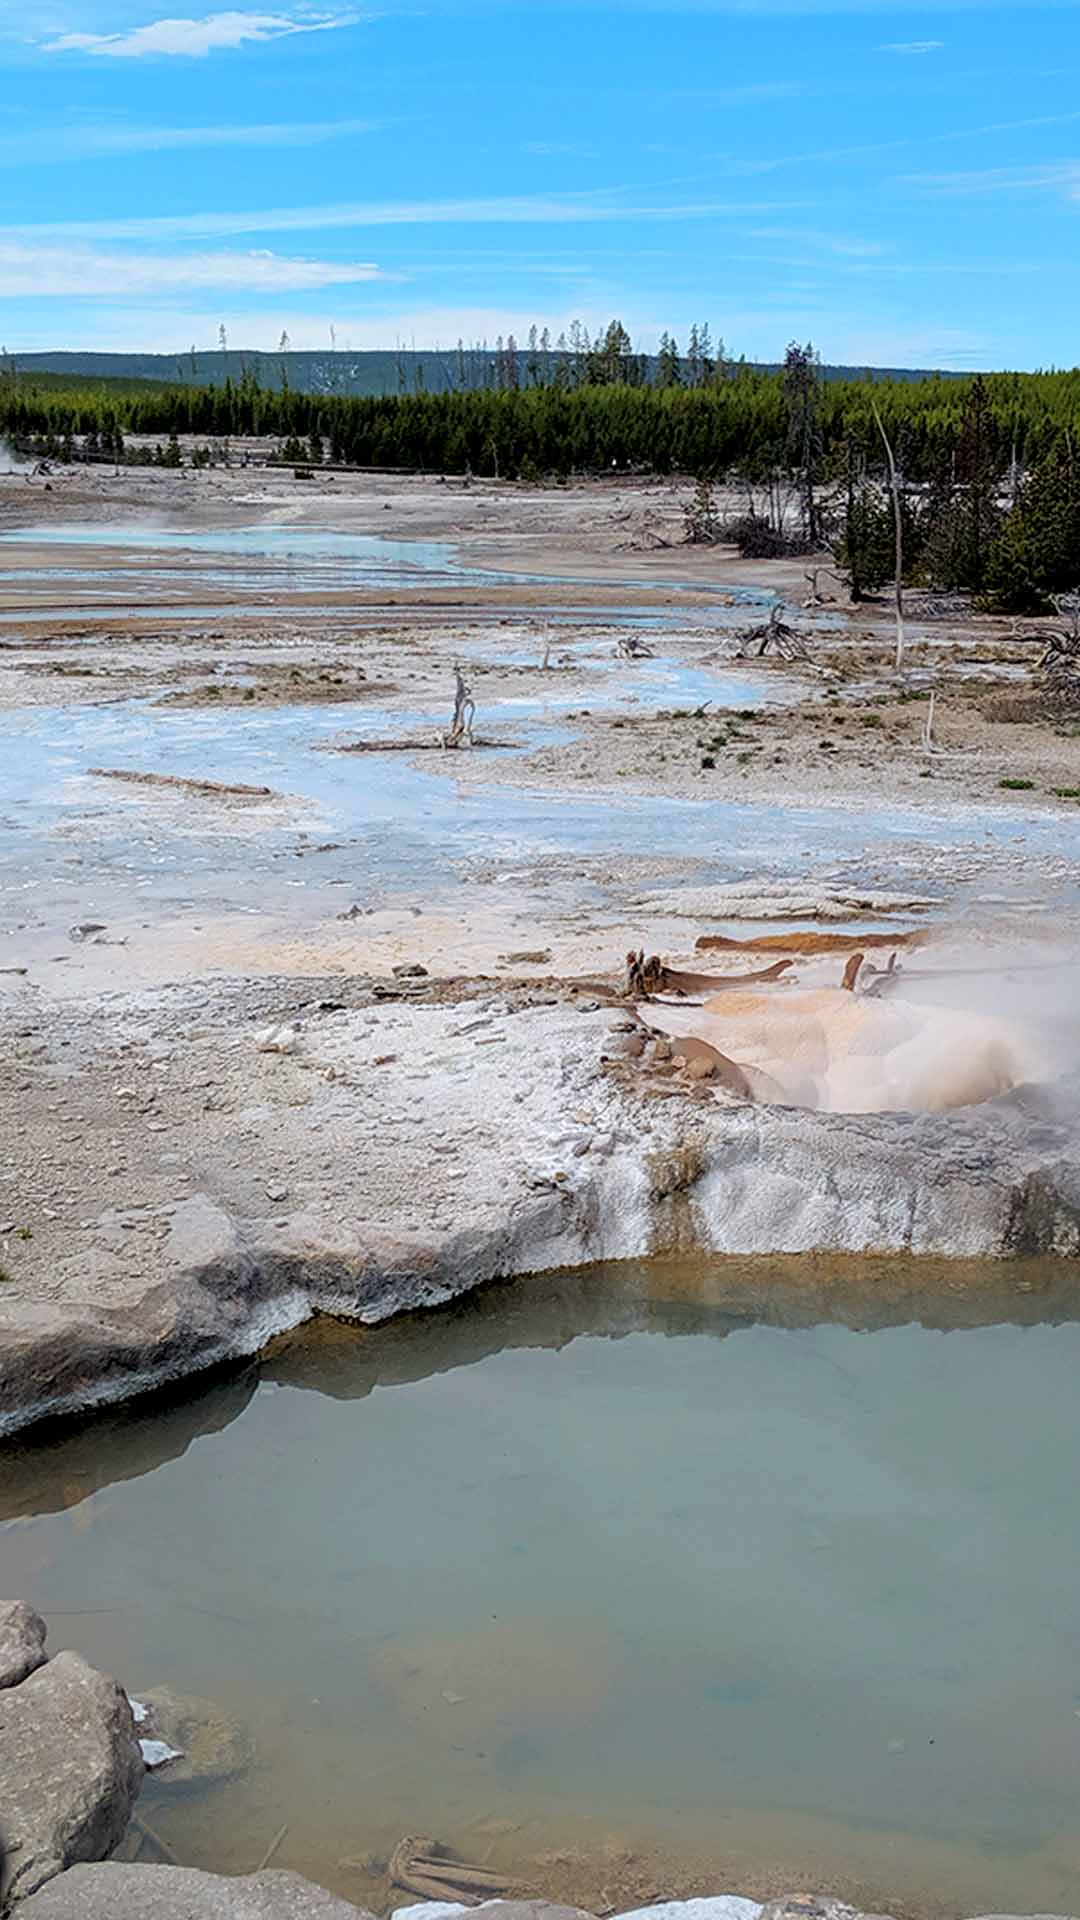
<point>389,1159</point>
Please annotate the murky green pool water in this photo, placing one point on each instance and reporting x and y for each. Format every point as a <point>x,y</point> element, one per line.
<point>773,1565</point>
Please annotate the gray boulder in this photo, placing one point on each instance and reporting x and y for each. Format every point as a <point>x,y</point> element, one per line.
<point>814,1906</point>
<point>70,1772</point>
<point>22,1642</point>
<point>523,1910</point>
<point>116,1892</point>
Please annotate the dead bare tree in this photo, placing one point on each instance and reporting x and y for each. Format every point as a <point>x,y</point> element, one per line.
<point>776,634</point>
<point>898,527</point>
<point>1059,663</point>
<point>815,597</point>
<point>461,726</point>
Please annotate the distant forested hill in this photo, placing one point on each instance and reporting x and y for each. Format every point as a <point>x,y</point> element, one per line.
<point>444,371</point>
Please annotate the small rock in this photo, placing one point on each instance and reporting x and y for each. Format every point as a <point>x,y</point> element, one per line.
<point>158,1753</point>
<point>277,1193</point>
<point>84,930</point>
<point>207,1746</point>
<point>626,1046</point>
<point>410,970</point>
<point>22,1642</point>
<point>700,1069</point>
<point>281,1039</point>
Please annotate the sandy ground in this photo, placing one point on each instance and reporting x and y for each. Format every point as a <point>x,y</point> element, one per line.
<point>702,720</point>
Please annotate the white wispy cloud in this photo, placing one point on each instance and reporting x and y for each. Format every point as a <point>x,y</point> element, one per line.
<point>56,145</point>
<point>558,150</point>
<point>743,166</point>
<point>1059,177</point>
<point>196,38</point>
<point>30,270</point>
<point>814,240</point>
<point>912,46</point>
<point>500,210</point>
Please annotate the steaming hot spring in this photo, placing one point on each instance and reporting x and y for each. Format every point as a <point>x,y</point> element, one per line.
<point>901,1044</point>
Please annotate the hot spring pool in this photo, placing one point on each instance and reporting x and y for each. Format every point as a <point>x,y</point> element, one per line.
<point>769,1568</point>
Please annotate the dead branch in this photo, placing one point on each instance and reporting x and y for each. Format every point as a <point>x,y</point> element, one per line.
<point>629,647</point>
<point>645,978</point>
<point>928,727</point>
<point>424,1867</point>
<point>215,788</point>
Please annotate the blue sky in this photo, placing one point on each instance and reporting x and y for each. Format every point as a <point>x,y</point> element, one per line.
<point>899,184</point>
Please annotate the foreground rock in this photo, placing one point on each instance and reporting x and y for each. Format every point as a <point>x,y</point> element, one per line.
<point>116,1892</point>
<point>397,1157</point>
<point>70,1771</point>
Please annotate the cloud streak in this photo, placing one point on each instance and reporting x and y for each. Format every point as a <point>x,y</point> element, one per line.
<point>34,271</point>
<point>912,47</point>
<point>91,142</point>
<point>195,39</point>
<point>508,210</point>
<point>1061,177</point>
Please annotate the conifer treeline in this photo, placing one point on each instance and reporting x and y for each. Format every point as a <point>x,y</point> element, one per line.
<point>739,421</point>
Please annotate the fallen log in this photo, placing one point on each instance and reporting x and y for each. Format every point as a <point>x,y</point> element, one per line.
<point>230,790</point>
<point>442,745</point>
<point>810,942</point>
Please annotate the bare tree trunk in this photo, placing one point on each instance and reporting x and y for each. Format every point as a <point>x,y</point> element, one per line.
<point>898,524</point>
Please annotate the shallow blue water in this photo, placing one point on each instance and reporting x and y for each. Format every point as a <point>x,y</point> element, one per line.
<point>299,557</point>
<point>649,1549</point>
<point>400,823</point>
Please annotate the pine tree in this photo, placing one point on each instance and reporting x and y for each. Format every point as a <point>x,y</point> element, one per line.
<point>669,363</point>
<point>693,359</point>
<point>702,522</point>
